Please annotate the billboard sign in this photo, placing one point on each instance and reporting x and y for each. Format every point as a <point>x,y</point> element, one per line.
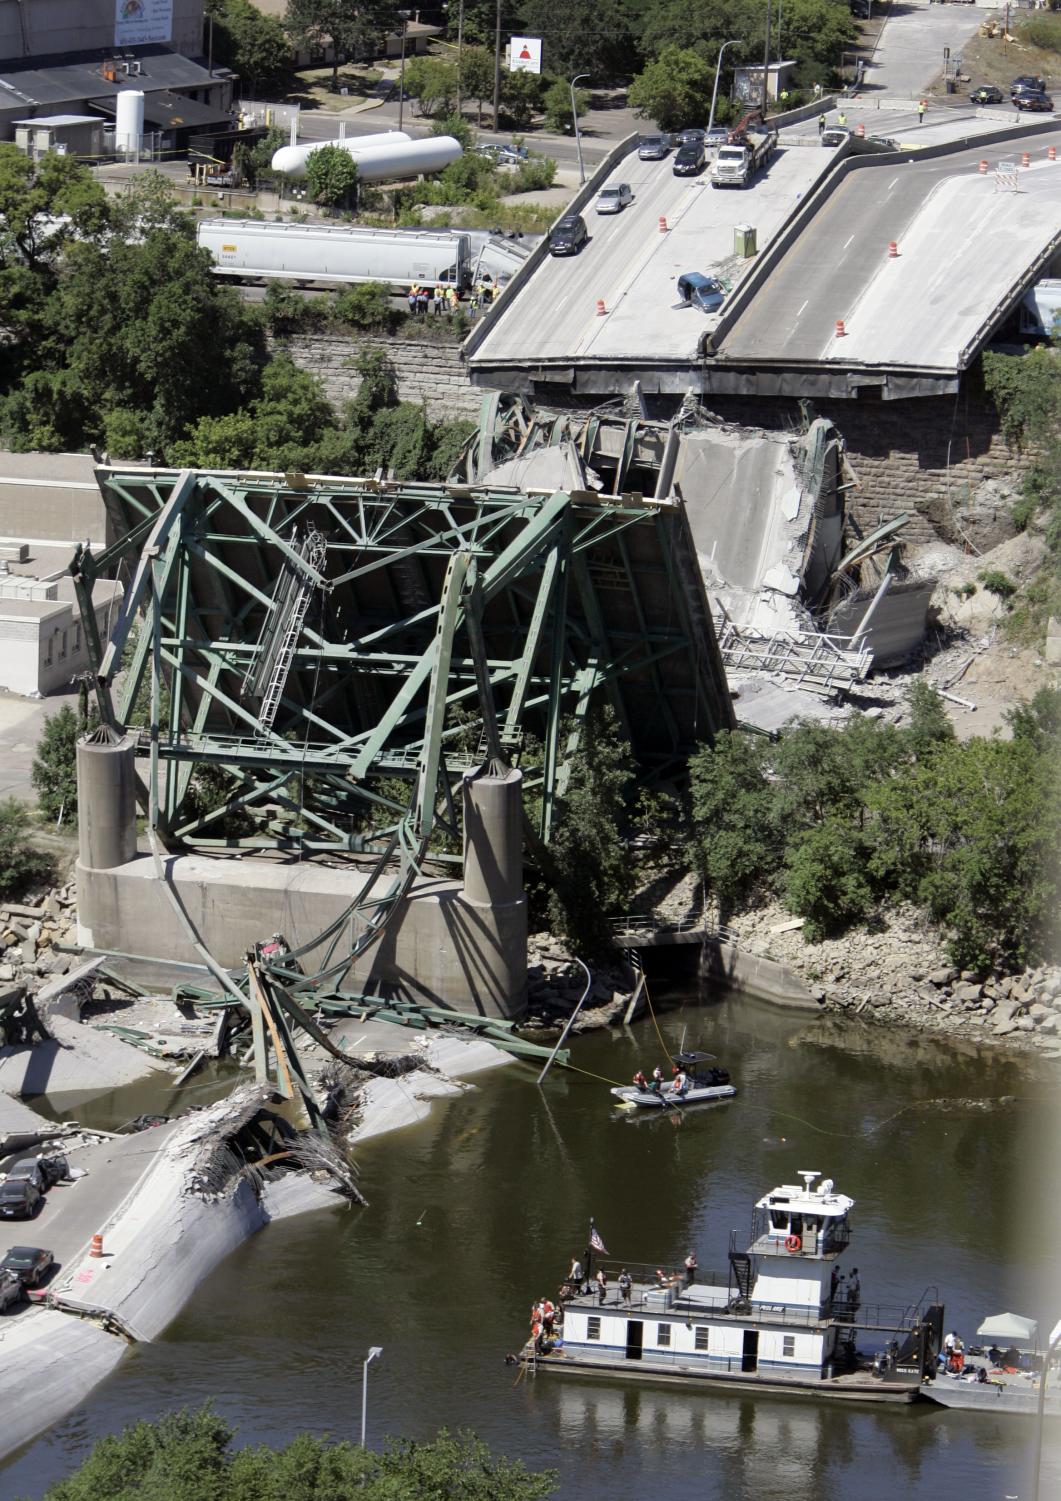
<point>139,21</point>
<point>525,54</point>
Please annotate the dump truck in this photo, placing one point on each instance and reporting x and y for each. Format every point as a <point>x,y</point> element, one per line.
<point>737,162</point>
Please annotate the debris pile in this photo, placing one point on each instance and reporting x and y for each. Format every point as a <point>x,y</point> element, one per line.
<point>30,935</point>
<point>555,983</point>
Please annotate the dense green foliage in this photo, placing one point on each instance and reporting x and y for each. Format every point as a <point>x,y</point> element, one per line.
<point>188,1456</point>
<point>838,822</point>
<point>349,28</point>
<point>54,772</point>
<point>592,876</point>
<point>674,89</point>
<point>251,43</point>
<point>1026,390</point>
<point>21,866</point>
<point>331,176</point>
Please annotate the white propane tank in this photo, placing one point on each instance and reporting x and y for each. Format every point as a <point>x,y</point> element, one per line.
<point>292,159</point>
<point>129,120</point>
<point>382,163</point>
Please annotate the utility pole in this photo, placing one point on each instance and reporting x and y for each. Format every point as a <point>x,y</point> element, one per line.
<point>497,65</point>
<point>401,74</point>
<point>460,51</point>
<point>766,57</point>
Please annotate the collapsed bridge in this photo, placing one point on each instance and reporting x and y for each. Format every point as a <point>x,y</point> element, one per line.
<point>329,681</point>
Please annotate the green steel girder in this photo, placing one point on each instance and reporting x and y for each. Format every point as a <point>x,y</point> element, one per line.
<point>433,601</point>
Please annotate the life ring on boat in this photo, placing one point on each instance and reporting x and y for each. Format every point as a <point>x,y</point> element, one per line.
<point>793,1243</point>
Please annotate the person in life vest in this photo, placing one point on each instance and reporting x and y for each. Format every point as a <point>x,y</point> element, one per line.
<point>548,1315</point>
<point>657,1080</point>
<point>411,298</point>
<point>681,1080</point>
<point>639,1079</point>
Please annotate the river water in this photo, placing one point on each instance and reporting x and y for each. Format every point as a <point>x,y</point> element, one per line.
<point>477,1211</point>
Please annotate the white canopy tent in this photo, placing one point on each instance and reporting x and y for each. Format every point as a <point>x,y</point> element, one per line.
<point>1009,1326</point>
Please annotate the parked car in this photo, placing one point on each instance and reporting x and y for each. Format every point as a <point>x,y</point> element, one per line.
<point>1028,81</point>
<point>11,1290</point>
<point>705,292</point>
<point>860,9</point>
<point>1040,104</point>
<point>834,135</point>
<point>689,159</point>
<point>614,200</point>
<point>718,135</point>
<point>568,235</point>
<point>511,156</point>
<point>652,148</point>
<point>28,1263</point>
<point>20,1199</point>
<point>987,93</point>
<point>30,1169</point>
<point>694,136</point>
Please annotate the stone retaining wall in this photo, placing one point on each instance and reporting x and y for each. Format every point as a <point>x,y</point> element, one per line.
<point>427,371</point>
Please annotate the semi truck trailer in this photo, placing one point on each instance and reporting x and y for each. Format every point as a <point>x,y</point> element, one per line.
<point>336,253</point>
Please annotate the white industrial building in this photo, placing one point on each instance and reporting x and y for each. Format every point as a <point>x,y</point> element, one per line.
<point>48,503</point>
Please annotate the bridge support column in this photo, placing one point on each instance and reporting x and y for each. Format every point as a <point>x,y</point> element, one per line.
<point>492,895</point>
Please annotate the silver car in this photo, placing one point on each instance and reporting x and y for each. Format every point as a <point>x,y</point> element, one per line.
<point>614,200</point>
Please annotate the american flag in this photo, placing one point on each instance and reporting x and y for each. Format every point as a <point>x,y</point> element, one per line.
<point>595,1240</point>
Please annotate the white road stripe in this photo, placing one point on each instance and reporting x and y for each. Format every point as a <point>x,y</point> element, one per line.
<point>892,183</point>
<point>804,305</point>
<point>848,240</point>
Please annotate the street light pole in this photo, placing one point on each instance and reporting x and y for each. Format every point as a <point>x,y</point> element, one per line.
<point>460,52</point>
<point>401,75</point>
<point>578,134</point>
<point>1052,1344</point>
<point>497,65</point>
<point>766,57</point>
<point>373,1352</point>
<point>714,91</point>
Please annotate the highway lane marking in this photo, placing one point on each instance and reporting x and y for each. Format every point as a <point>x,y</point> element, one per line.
<point>849,239</point>
<point>892,183</point>
<point>804,305</point>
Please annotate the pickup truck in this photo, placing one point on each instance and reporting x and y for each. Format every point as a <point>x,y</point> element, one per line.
<point>737,162</point>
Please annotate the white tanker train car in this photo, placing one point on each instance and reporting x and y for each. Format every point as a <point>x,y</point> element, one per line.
<point>380,158</point>
<point>336,253</point>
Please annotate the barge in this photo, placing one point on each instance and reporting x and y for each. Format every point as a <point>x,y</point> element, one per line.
<point>782,1321</point>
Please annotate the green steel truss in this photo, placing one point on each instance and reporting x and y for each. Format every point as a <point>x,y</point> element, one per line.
<point>398,636</point>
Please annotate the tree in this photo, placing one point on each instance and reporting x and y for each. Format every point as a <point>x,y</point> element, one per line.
<point>582,36</point>
<point>520,96</point>
<point>433,83</point>
<point>331,176</point>
<point>592,875</point>
<point>556,104</point>
<point>252,44</point>
<point>54,772</point>
<point>929,725</point>
<point>674,89</point>
<point>20,864</point>
<point>477,77</point>
<point>188,1456</point>
<point>827,879</point>
<point>345,28</point>
<point>736,839</point>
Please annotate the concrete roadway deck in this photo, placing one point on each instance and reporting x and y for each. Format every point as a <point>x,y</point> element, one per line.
<point>73,1212</point>
<point>633,267</point>
<point>963,244</point>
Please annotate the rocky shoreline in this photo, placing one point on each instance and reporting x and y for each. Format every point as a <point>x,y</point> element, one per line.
<point>898,973</point>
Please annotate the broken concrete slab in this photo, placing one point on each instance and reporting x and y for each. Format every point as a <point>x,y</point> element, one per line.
<point>77,1059</point>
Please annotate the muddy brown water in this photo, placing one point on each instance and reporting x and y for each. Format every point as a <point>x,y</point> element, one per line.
<point>476,1212</point>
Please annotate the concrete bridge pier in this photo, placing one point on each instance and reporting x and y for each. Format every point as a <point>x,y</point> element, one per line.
<point>492,896</point>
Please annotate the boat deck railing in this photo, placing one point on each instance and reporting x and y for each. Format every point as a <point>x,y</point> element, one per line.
<point>678,1302</point>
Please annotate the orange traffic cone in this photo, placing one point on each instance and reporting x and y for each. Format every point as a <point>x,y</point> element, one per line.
<point>96,1248</point>
<point>893,250</point>
<point>840,329</point>
<point>601,309</point>
<point>663,226</point>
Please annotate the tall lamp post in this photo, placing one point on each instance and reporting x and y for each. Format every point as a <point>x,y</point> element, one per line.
<point>766,60</point>
<point>373,1352</point>
<point>1052,1344</point>
<point>714,91</point>
<point>578,134</point>
<point>405,14</point>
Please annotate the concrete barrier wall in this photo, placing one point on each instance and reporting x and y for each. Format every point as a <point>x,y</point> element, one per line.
<point>765,979</point>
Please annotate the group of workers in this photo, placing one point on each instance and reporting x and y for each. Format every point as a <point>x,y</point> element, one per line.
<point>447,299</point>
<point>952,1357</point>
<point>679,1081</point>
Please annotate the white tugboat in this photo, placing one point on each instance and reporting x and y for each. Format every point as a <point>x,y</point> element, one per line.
<point>780,1322</point>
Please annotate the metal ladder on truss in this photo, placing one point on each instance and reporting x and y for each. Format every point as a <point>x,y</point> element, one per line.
<point>295,609</point>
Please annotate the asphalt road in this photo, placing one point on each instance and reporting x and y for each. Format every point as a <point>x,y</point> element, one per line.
<point>632,266</point>
<point>829,271</point>
<point>73,1212</point>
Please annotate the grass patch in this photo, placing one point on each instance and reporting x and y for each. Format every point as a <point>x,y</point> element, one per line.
<point>988,60</point>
